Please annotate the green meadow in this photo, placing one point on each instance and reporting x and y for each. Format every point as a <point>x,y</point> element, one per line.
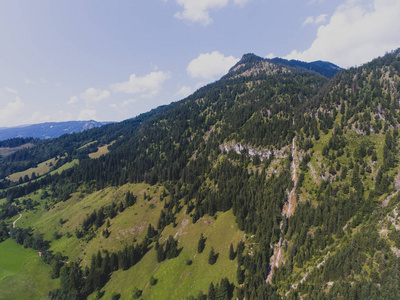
<point>23,275</point>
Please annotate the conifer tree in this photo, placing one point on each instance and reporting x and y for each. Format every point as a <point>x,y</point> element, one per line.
<point>232,253</point>
<point>212,257</point>
<point>201,244</point>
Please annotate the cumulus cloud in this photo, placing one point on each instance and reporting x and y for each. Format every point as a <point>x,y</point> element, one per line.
<point>210,66</point>
<point>197,11</point>
<point>87,114</point>
<point>357,32</point>
<point>73,100</point>
<point>127,102</point>
<point>92,95</point>
<point>184,91</point>
<point>315,20</point>
<point>29,81</point>
<point>41,116</point>
<point>316,1</point>
<point>123,104</point>
<point>10,106</point>
<point>147,86</point>
<point>10,90</point>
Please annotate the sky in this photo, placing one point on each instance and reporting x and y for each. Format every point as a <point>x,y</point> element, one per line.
<point>110,60</point>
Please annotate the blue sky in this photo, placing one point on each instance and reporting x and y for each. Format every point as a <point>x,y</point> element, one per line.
<point>112,60</point>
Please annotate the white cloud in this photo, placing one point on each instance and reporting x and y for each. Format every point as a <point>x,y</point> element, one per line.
<point>147,86</point>
<point>210,65</point>
<point>270,55</point>
<point>92,95</point>
<point>10,106</point>
<point>124,104</point>
<point>315,20</point>
<point>316,1</point>
<point>127,102</point>
<point>87,114</point>
<point>10,90</point>
<point>184,91</point>
<point>197,11</point>
<point>121,108</point>
<point>73,100</point>
<point>357,32</point>
<point>59,116</point>
<point>40,80</point>
<point>28,81</point>
<point>240,2</point>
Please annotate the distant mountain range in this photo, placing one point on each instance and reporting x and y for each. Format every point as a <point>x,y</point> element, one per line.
<point>47,130</point>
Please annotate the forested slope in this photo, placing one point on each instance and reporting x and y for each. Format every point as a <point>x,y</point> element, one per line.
<point>307,165</point>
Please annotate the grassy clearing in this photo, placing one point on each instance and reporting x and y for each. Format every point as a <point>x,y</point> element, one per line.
<point>101,151</point>
<point>23,275</point>
<point>41,169</point>
<point>87,145</point>
<point>176,279</point>
<point>132,223</point>
<point>6,151</point>
<point>66,166</point>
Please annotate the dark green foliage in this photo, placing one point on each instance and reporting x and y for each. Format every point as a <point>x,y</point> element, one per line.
<point>115,296</point>
<point>153,281</point>
<point>171,249</point>
<point>151,232</point>
<point>212,257</point>
<point>136,293</point>
<point>232,253</point>
<point>211,292</point>
<point>240,275</point>
<point>201,244</point>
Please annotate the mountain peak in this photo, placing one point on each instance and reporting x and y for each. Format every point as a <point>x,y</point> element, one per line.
<point>251,64</point>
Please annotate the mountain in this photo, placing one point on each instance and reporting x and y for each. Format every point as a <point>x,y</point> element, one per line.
<point>324,68</point>
<point>251,61</point>
<point>47,130</point>
<point>274,182</point>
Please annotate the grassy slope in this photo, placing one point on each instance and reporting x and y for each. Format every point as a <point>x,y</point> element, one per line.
<point>101,151</point>
<point>173,275</point>
<point>5,151</point>
<point>65,167</point>
<point>23,275</point>
<point>40,170</point>
<point>176,279</point>
<point>133,221</point>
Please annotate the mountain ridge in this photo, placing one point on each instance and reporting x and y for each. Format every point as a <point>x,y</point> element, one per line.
<point>47,130</point>
<point>324,68</point>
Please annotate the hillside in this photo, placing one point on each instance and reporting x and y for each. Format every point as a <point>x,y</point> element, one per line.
<point>276,181</point>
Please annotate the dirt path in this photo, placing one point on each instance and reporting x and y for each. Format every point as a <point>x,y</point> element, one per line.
<point>20,216</point>
<point>288,210</point>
